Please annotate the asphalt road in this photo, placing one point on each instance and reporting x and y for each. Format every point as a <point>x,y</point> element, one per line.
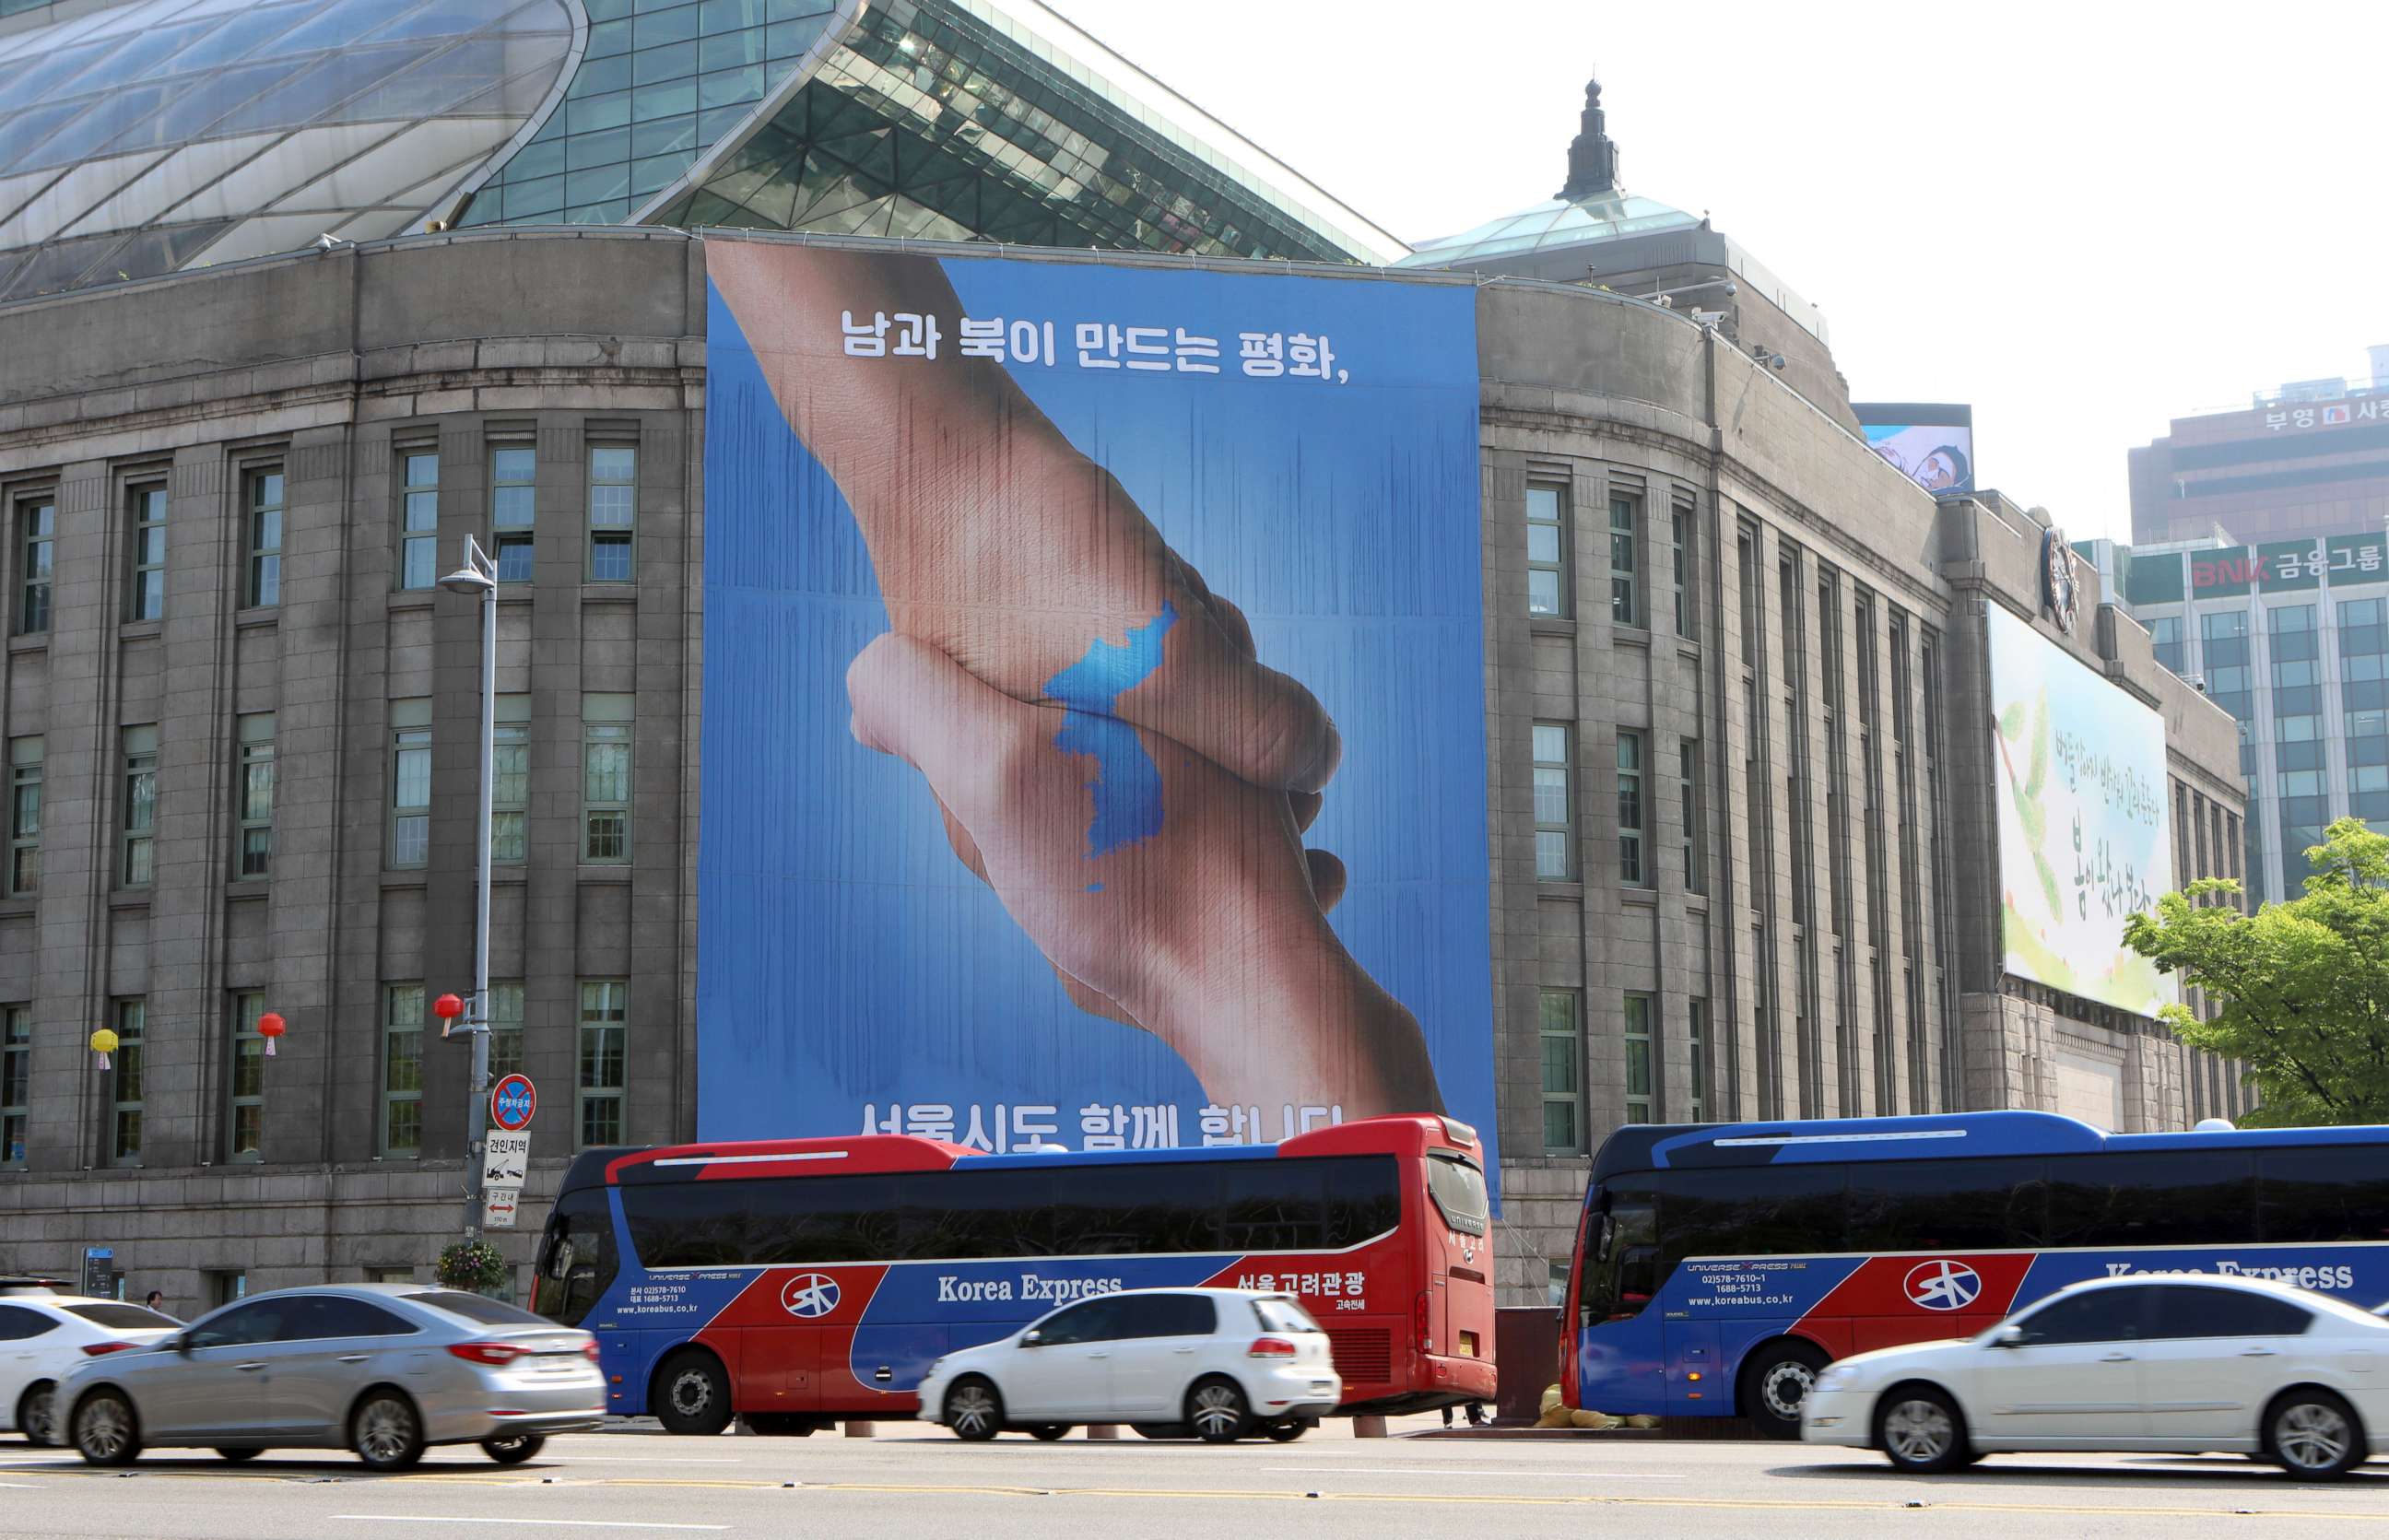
<point>915,1481</point>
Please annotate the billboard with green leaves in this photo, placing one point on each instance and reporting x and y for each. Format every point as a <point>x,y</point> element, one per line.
<point>2080,768</point>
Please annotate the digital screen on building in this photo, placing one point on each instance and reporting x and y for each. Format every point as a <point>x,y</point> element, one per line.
<point>2080,772</point>
<point>1932,443</point>
<point>1093,732</point>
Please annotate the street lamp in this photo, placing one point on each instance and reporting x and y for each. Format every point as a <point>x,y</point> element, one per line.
<point>480,574</point>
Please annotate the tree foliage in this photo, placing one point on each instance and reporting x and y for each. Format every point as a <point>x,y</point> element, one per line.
<point>2302,988</point>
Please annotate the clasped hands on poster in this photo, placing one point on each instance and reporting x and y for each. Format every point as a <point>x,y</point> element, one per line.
<point>1108,752</point>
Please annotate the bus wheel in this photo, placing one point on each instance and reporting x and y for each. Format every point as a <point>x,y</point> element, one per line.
<point>1777,1381</point>
<point>781,1424</point>
<point>692,1394</point>
<point>974,1410</point>
<point>1161,1430</point>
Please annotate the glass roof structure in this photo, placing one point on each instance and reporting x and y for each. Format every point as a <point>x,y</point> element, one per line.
<point>139,137</point>
<point>1553,223</point>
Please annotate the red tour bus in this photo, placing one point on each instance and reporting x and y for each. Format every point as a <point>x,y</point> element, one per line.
<point>803,1281</point>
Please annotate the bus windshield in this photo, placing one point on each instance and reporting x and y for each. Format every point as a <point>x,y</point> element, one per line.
<point>1458,1188</point>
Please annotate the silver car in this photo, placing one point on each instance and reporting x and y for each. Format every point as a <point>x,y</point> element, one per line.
<point>385,1369</point>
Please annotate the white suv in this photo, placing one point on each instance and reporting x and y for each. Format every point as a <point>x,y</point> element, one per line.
<point>43,1335</point>
<point>1219,1363</point>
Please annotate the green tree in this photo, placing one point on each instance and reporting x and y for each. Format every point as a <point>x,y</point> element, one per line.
<point>2302,987</point>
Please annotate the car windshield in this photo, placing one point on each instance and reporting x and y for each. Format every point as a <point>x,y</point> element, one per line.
<point>1285,1314</point>
<point>477,1307</point>
<point>124,1318</point>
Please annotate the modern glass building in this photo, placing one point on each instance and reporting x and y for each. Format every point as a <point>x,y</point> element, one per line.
<point>145,137</point>
<point>2291,638</point>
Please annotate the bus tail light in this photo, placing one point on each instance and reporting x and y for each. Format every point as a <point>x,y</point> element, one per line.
<point>1271,1347</point>
<point>1426,1343</point>
<point>497,1355</point>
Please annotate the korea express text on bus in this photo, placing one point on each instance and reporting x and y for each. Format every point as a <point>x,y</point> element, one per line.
<point>1717,1268</point>
<point>801,1281</point>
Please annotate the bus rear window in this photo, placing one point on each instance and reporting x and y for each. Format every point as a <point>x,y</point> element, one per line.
<point>1458,1189</point>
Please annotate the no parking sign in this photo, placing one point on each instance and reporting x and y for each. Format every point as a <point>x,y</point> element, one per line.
<point>512,1100</point>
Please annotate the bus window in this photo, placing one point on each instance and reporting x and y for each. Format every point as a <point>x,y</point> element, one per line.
<point>1625,1258</point>
<point>1273,1206</point>
<point>2178,1197</point>
<point>575,1263</point>
<point>1753,1211</point>
<point>1364,1198</point>
<point>2324,1194</point>
<point>1972,1205</point>
<point>1458,1189</point>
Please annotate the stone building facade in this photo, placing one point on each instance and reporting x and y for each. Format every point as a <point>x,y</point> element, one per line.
<point>1742,858</point>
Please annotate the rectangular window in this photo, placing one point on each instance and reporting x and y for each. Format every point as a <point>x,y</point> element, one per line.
<point>1685,572</point>
<point>410,783</point>
<point>1688,783</point>
<point>613,511</point>
<point>37,534</point>
<point>1638,1059</point>
<point>245,1122</point>
<point>1554,805</point>
<point>402,1069</point>
<point>256,859</point>
<point>136,864</point>
<point>125,1089</point>
<point>24,873</point>
<point>506,1030</point>
<point>605,1018</point>
<point>606,778</point>
<point>419,521</point>
<point>145,599</point>
<point>265,577</point>
<point>1630,810</point>
<point>1696,1036</point>
<point>1563,1038</point>
<point>510,780</point>
<point>15,1082</point>
<point>1625,606</point>
<point>514,472</point>
<point>1546,577</point>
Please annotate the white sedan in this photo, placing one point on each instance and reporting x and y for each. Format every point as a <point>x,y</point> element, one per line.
<point>43,1335</point>
<point>1219,1363</point>
<point>2183,1363</point>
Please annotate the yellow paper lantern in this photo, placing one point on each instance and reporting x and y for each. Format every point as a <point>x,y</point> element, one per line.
<point>103,1042</point>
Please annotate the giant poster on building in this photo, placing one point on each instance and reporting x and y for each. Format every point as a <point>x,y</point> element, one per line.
<point>2080,770</point>
<point>1094,729</point>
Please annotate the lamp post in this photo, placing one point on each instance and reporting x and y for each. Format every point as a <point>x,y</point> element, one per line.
<point>480,575</point>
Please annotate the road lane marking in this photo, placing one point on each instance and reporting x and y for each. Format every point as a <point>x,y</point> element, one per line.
<point>1526,1471</point>
<point>485,1519</point>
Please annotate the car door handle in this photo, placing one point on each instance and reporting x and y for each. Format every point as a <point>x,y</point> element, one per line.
<point>354,1357</point>
<point>2115,1357</point>
<point>249,1368</point>
<point>2256,1353</point>
<point>1181,1350</point>
<point>1098,1355</point>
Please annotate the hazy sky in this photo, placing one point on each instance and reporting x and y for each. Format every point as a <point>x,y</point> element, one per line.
<point>2085,219</point>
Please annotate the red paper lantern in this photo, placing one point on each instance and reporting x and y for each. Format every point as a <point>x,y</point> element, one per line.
<point>270,1026</point>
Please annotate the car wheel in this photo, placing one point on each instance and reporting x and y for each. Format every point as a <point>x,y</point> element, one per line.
<point>781,1424</point>
<point>514,1450</point>
<point>1288,1430</point>
<point>1217,1410</point>
<point>692,1395</point>
<point>1921,1431</point>
<point>2313,1434</point>
<point>239,1456</point>
<point>386,1431</point>
<point>1161,1430</point>
<point>1046,1432</point>
<point>37,1413</point>
<point>974,1410</point>
<point>105,1429</point>
<point>1777,1381</point>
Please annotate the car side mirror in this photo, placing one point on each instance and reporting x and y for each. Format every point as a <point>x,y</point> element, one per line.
<point>1031,1337</point>
<point>182,1343</point>
<point>2008,1336</point>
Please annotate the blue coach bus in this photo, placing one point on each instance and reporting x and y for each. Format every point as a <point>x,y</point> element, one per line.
<point>1719,1266</point>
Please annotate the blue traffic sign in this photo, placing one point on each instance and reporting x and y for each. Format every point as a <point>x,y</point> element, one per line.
<point>512,1100</point>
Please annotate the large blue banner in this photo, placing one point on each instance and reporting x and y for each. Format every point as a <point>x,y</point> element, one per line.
<point>1095,706</point>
